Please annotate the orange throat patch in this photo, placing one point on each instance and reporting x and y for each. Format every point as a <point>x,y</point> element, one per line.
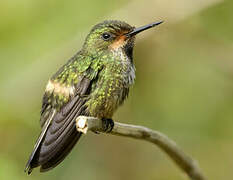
<point>118,43</point>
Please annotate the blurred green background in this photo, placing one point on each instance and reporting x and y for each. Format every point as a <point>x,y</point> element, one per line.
<point>184,85</point>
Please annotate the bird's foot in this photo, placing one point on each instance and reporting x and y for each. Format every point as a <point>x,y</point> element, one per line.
<point>108,124</point>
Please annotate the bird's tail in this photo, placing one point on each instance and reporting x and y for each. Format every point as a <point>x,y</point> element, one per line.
<point>53,145</point>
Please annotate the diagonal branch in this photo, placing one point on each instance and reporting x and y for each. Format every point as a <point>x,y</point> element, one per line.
<point>185,162</point>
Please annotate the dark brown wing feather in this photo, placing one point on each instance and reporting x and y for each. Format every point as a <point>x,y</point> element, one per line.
<point>59,136</point>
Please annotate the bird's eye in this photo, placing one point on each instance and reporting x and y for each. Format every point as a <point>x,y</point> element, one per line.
<point>106,36</point>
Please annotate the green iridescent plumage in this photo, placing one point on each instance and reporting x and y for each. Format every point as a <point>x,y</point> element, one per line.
<point>92,83</point>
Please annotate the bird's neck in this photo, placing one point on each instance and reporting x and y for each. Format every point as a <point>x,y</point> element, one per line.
<point>118,65</point>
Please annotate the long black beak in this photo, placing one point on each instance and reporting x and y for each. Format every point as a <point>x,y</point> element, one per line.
<point>142,28</point>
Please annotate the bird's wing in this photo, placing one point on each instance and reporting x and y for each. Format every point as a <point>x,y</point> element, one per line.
<point>59,134</point>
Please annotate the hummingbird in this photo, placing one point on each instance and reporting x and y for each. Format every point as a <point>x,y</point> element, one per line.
<point>94,82</point>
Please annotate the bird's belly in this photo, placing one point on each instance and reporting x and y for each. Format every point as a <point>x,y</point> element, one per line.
<point>103,102</point>
<point>110,90</point>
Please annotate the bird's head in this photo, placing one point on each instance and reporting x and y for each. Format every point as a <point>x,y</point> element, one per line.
<point>113,35</point>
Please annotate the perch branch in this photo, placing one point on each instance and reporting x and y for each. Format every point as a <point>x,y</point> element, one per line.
<point>185,162</point>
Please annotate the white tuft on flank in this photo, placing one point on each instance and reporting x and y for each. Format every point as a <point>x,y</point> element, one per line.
<point>49,87</point>
<point>57,88</point>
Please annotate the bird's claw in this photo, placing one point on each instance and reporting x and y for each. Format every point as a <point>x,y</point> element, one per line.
<point>108,125</point>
